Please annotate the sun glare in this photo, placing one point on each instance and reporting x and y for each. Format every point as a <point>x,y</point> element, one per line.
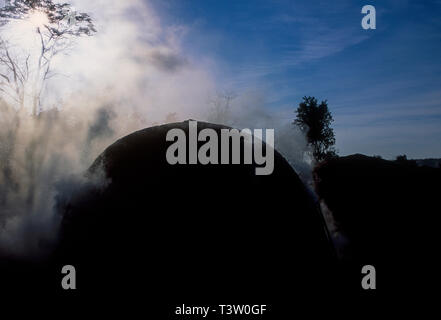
<point>38,19</point>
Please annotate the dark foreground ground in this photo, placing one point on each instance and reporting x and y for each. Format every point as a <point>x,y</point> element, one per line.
<point>389,212</point>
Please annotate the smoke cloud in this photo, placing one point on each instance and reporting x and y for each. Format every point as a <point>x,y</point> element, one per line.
<point>130,75</point>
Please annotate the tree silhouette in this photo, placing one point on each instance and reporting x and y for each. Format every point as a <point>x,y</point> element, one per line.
<point>403,160</point>
<point>54,26</point>
<point>315,119</point>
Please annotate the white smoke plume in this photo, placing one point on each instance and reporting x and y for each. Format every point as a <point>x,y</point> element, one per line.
<point>130,75</point>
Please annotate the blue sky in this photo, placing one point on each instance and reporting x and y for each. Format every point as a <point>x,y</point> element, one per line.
<point>383,86</point>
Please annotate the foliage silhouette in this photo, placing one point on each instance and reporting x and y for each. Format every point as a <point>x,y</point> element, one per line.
<point>55,26</point>
<point>315,119</point>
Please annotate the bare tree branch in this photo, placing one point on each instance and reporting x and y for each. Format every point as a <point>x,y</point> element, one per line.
<point>55,36</point>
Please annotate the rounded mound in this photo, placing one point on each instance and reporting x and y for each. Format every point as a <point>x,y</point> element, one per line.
<point>207,229</point>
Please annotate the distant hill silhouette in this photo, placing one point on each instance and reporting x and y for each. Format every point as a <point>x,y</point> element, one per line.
<point>434,163</point>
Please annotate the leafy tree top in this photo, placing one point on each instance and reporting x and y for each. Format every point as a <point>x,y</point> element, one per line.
<point>315,120</point>
<point>24,67</point>
<point>62,19</point>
